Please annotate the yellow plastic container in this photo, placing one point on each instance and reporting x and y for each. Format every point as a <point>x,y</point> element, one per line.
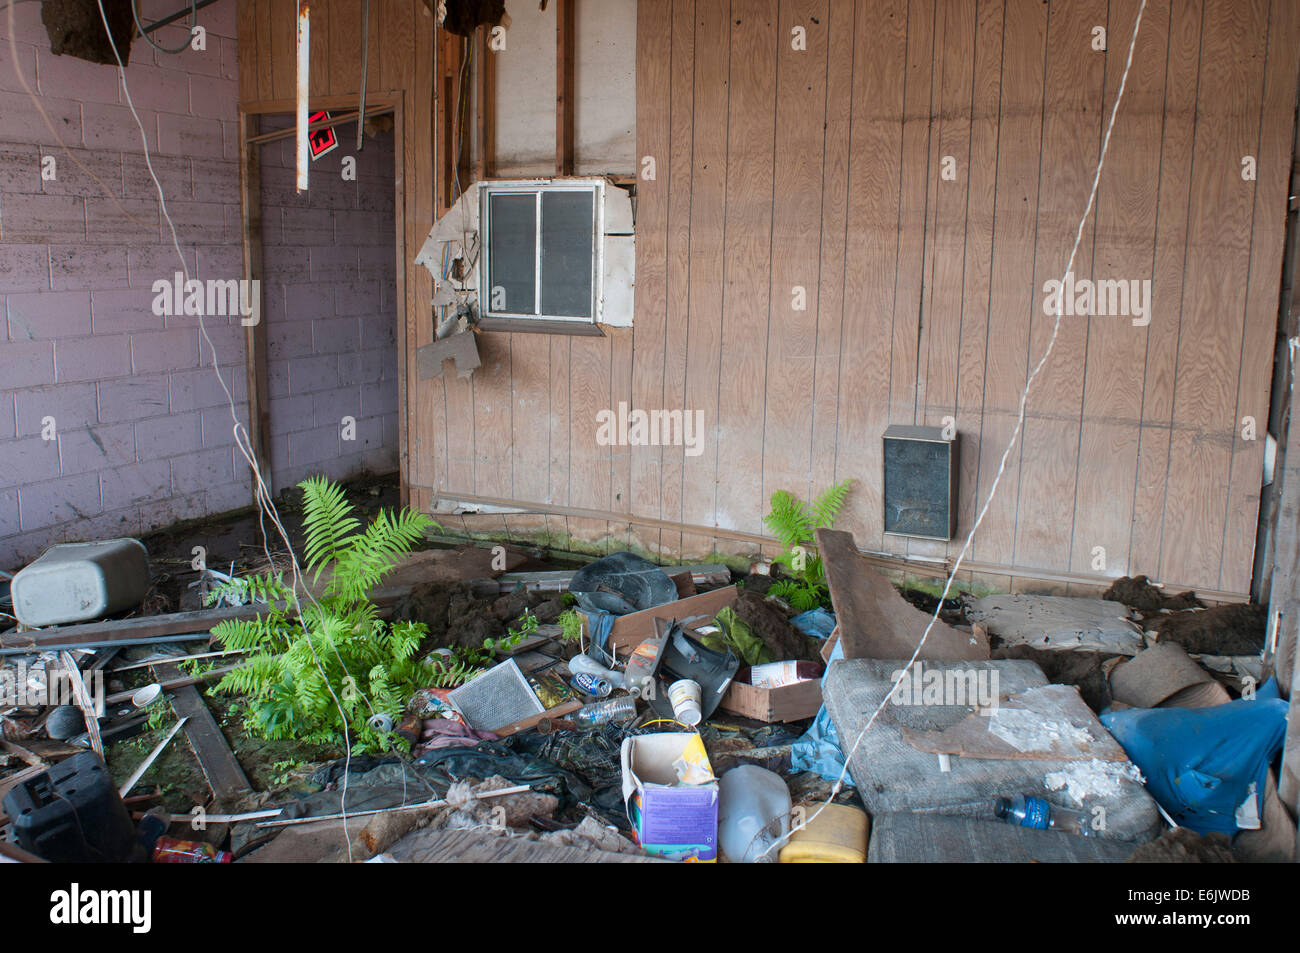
<point>838,835</point>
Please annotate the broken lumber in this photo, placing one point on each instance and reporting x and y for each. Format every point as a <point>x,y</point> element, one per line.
<point>558,580</point>
<point>874,620</point>
<point>224,775</point>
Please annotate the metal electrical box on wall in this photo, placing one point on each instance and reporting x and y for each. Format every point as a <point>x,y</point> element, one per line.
<point>920,482</point>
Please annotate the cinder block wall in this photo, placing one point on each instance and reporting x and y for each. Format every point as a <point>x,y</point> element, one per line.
<point>142,431</point>
<point>331,309</point>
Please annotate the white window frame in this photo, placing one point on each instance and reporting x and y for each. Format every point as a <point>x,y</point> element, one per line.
<point>537,321</point>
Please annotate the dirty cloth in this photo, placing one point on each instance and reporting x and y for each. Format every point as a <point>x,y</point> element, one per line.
<point>446,733</point>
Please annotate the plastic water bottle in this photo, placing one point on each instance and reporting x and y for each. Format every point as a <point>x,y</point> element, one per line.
<point>1028,811</point>
<point>602,713</point>
<point>588,665</point>
<point>753,813</point>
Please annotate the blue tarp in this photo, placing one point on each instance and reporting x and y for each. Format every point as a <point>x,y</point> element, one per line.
<point>1200,763</point>
<point>818,749</point>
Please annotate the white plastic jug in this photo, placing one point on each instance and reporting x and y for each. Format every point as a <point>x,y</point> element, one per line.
<point>753,813</point>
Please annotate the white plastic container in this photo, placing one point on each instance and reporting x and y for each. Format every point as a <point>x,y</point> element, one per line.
<point>753,813</point>
<point>76,582</point>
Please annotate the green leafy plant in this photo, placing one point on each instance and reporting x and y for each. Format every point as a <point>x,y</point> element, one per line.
<point>734,633</point>
<point>795,524</point>
<point>570,626</point>
<point>334,662</point>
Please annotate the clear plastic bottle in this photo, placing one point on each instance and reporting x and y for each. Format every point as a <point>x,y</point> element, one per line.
<point>585,663</point>
<point>602,713</point>
<point>753,813</point>
<point>1028,811</point>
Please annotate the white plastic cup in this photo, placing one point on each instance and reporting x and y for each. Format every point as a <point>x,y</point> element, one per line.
<point>685,695</point>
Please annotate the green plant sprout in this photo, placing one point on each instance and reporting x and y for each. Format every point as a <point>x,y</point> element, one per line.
<point>795,524</point>
<point>335,663</point>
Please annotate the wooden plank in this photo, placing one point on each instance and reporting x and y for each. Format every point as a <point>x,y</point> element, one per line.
<point>681,138</point>
<point>1125,246</point>
<point>938,361</point>
<point>246,52</point>
<point>827,358</point>
<point>709,174</point>
<point>874,620</point>
<point>415,286</point>
<point>793,305</point>
<point>283,33</point>
<point>1214,278</point>
<point>266,50</point>
<point>473,847</point>
<point>344,47</point>
<point>751,133</point>
<point>1273,156</point>
<point>224,775</point>
<point>1183,42</point>
<point>320,77</point>
<point>565,11</point>
<point>905,291</point>
<point>657,106</point>
<point>484,100</point>
<point>121,630</point>
<point>1012,293</point>
<point>983,165</point>
<point>1071,136</point>
<point>879,67</point>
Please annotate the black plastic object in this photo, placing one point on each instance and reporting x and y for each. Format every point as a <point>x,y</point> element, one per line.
<point>72,813</point>
<point>621,583</point>
<point>684,657</point>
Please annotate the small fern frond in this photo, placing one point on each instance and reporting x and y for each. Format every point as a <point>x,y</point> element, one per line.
<point>788,519</point>
<point>827,506</point>
<point>327,521</point>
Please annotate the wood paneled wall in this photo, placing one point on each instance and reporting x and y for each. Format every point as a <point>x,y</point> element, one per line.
<point>821,168</point>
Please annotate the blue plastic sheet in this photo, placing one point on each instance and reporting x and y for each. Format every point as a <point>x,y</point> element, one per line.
<point>818,623</point>
<point>818,749</point>
<point>1200,763</point>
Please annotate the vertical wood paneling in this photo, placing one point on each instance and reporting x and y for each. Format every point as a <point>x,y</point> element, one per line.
<point>1048,452</point>
<point>944,269</point>
<point>1178,120</point>
<point>838,90</point>
<point>879,65</point>
<point>751,138</point>
<point>1012,294</point>
<point>796,227</point>
<point>1268,214</point>
<point>709,173</point>
<point>1124,250</point>
<point>655,72</point>
<point>1218,257</point>
<point>680,159</point>
<point>821,168</point>
<point>982,161</point>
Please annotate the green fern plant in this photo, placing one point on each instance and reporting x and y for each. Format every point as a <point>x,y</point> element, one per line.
<point>334,662</point>
<point>795,524</point>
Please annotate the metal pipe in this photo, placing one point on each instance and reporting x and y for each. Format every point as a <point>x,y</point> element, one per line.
<point>304,81</point>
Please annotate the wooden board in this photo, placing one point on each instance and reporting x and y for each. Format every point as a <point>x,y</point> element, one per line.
<point>224,775</point>
<point>475,847</point>
<point>874,620</point>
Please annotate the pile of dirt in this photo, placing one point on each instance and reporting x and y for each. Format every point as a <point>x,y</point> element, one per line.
<point>1222,630</point>
<point>1137,593</point>
<point>457,619</point>
<point>1184,846</point>
<point>768,621</point>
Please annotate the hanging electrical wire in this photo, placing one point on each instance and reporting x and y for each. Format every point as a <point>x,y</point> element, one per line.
<point>144,31</point>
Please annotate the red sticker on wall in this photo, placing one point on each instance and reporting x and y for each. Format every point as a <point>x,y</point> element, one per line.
<point>321,140</point>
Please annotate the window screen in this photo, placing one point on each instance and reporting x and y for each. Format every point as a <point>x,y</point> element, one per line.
<point>541,253</point>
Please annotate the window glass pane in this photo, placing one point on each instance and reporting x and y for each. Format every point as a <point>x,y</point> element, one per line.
<point>512,266</point>
<point>567,227</point>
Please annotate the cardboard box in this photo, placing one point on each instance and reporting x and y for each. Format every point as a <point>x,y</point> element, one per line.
<point>671,818</point>
<point>631,630</point>
<point>787,703</point>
